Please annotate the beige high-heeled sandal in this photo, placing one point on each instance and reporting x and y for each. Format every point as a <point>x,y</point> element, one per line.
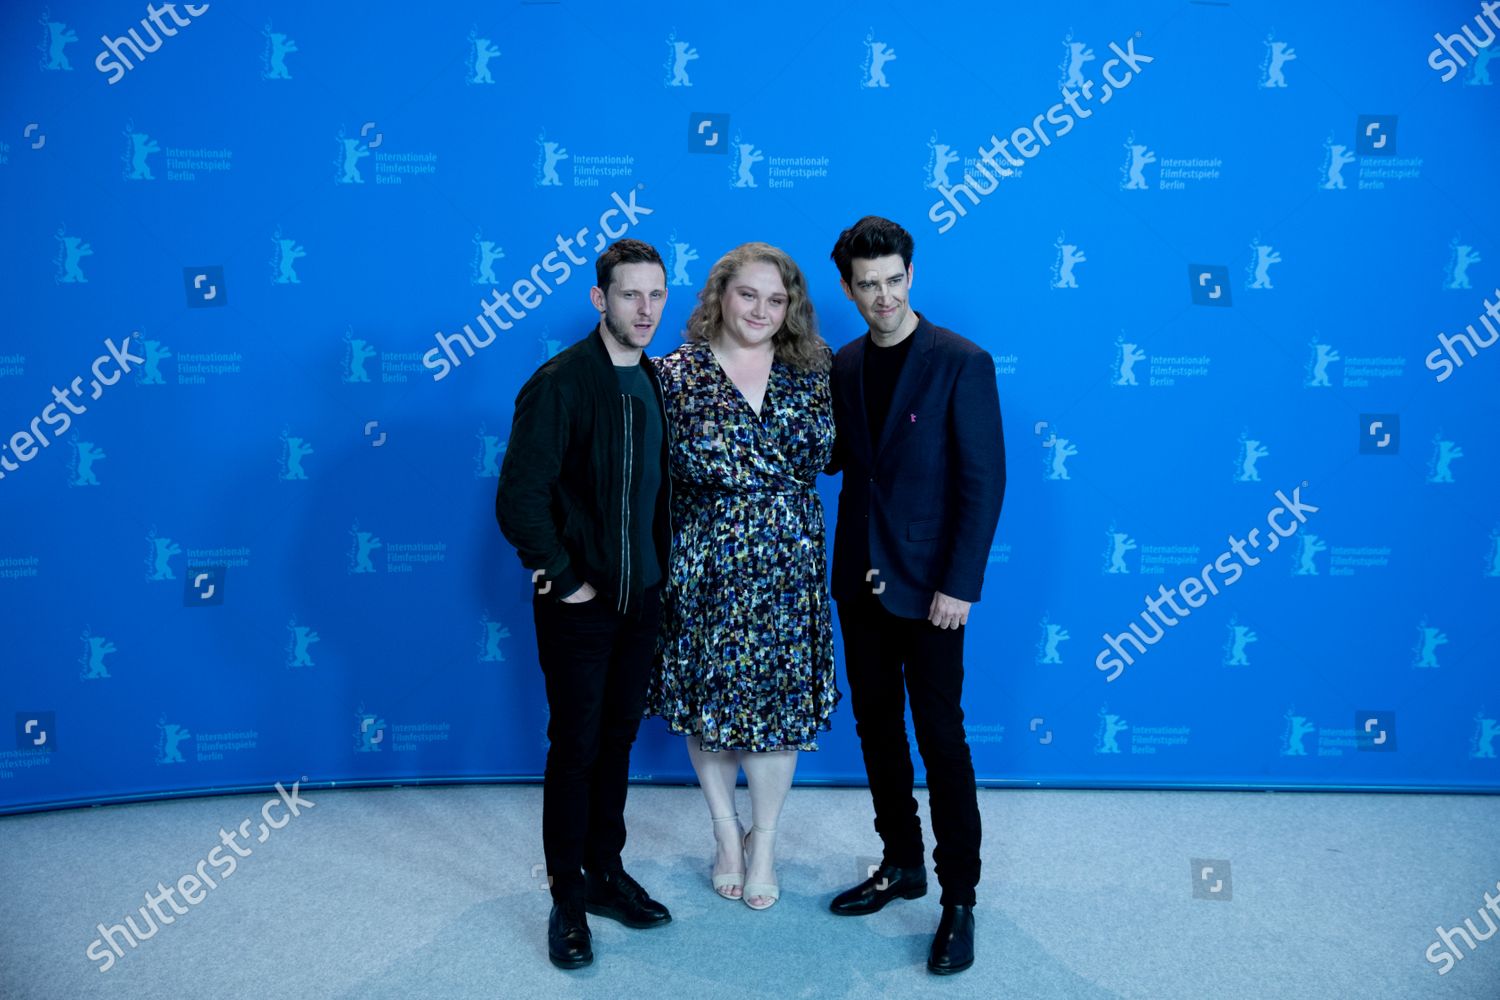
<point>728,880</point>
<point>760,890</point>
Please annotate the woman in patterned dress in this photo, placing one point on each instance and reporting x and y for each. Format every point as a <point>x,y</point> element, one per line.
<point>746,671</point>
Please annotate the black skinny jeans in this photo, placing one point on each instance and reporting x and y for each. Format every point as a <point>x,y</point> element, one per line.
<point>597,663</point>
<point>887,658</point>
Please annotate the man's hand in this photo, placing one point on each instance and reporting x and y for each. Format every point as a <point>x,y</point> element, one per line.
<point>587,593</point>
<point>948,612</point>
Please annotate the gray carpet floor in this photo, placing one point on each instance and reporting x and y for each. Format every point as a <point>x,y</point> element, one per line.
<point>439,892</point>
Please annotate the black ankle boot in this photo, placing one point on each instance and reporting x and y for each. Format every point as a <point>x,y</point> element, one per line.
<point>569,943</point>
<point>953,945</point>
<point>616,895</point>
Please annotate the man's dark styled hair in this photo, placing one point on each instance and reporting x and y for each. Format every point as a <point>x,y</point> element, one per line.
<point>625,252</point>
<point>869,238</point>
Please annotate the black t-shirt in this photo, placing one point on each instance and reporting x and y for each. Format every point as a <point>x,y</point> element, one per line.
<point>634,382</point>
<point>882,369</point>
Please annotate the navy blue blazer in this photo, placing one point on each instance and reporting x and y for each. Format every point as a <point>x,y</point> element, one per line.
<point>927,494</point>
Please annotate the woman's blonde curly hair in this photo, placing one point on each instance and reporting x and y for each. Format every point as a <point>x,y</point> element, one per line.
<point>797,343</point>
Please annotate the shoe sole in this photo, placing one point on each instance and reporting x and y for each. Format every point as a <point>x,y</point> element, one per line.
<point>948,970</point>
<point>876,909</point>
<point>613,914</point>
<point>571,963</point>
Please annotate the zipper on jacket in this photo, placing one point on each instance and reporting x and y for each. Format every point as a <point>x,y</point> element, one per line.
<point>666,475</point>
<point>626,462</point>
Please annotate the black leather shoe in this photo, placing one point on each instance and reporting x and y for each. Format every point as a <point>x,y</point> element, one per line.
<point>953,945</point>
<point>888,883</point>
<point>616,895</point>
<point>569,943</point>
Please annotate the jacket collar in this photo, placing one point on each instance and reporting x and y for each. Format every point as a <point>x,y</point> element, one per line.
<point>603,364</point>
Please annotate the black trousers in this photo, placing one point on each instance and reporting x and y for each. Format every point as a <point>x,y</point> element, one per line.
<point>888,658</point>
<point>597,663</point>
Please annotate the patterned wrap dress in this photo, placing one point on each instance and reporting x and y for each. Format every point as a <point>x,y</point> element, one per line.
<point>746,647</point>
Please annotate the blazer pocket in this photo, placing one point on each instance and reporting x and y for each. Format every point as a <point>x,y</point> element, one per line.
<point>921,531</point>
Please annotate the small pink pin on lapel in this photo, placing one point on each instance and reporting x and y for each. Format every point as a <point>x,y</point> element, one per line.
<point>913,418</point>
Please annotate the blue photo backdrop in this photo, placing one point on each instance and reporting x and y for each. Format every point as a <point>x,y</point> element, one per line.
<point>277,271</point>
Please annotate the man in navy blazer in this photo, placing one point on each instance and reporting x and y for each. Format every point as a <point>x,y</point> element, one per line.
<point>923,458</point>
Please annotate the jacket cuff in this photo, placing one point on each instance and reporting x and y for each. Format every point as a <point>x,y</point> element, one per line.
<point>961,591</point>
<point>565,583</point>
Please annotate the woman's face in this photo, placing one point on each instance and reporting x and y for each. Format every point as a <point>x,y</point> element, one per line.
<point>754,304</point>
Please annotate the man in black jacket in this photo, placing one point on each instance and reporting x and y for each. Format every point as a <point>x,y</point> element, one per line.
<point>583,497</point>
<point>923,458</point>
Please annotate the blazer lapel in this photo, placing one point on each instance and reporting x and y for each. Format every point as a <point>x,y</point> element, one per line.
<point>913,374</point>
<point>853,387</point>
